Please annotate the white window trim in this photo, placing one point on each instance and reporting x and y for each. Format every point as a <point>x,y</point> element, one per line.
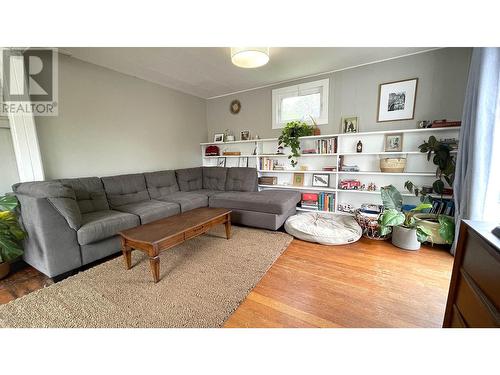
<point>322,86</point>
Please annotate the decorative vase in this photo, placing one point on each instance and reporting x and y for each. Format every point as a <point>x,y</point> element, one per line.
<point>405,238</point>
<point>4,269</point>
<point>316,130</point>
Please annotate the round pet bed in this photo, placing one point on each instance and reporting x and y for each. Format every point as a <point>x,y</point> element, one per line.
<point>323,228</point>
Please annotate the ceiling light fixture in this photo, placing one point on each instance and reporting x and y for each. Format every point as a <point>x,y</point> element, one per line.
<point>249,57</point>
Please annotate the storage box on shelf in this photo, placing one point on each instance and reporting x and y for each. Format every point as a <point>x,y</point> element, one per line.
<point>329,148</point>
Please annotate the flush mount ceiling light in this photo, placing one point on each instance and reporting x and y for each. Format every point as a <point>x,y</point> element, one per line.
<point>249,57</point>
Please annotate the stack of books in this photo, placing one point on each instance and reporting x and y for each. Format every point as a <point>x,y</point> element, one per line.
<point>309,201</point>
<point>326,146</point>
<point>318,201</point>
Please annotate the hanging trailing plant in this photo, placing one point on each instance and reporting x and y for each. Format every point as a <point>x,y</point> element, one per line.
<point>290,138</point>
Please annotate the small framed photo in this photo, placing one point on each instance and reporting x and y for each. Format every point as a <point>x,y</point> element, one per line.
<point>350,125</point>
<point>243,162</point>
<point>245,135</point>
<point>393,142</point>
<point>321,180</point>
<point>396,100</point>
<point>298,179</point>
<point>219,138</point>
<point>221,162</point>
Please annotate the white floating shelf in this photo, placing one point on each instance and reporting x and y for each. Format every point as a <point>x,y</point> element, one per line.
<point>391,173</point>
<point>296,171</point>
<point>310,188</point>
<point>286,155</point>
<point>318,211</point>
<point>312,137</point>
<point>229,156</point>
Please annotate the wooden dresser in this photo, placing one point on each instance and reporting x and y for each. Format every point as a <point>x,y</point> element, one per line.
<point>474,296</point>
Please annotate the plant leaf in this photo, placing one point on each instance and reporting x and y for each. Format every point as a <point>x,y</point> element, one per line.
<point>9,249</point>
<point>446,228</point>
<point>391,198</point>
<point>422,206</point>
<point>391,217</point>
<point>422,233</point>
<point>8,202</point>
<point>438,186</point>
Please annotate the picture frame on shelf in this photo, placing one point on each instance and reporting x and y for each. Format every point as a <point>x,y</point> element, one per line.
<point>243,161</point>
<point>396,100</point>
<point>245,135</point>
<point>219,138</point>
<point>349,124</point>
<point>393,142</point>
<point>298,179</point>
<point>221,162</point>
<point>321,180</point>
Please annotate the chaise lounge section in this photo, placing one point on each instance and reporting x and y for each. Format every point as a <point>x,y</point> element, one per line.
<point>74,222</point>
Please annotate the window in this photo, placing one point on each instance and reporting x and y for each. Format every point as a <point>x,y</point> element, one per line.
<point>298,102</point>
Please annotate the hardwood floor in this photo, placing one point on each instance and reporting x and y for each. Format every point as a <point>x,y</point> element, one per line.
<point>365,284</point>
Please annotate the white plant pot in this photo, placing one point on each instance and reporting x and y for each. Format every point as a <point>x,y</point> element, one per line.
<point>405,238</point>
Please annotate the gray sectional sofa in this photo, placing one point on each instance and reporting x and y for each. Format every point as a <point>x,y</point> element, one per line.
<point>73,222</point>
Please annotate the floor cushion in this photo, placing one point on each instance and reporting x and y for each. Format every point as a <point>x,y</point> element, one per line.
<point>269,201</point>
<point>152,210</point>
<point>186,199</point>
<point>324,228</point>
<point>99,225</point>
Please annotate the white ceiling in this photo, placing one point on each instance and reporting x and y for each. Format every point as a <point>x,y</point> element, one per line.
<point>208,72</point>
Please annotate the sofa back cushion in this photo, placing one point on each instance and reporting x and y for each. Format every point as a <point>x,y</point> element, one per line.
<point>241,179</point>
<point>190,178</point>
<point>161,184</point>
<point>214,178</point>
<point>89,192</point>
<point>125,189</point>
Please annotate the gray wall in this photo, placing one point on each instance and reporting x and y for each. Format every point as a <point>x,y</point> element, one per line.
<point>442,78</point>
<point>111,123</point>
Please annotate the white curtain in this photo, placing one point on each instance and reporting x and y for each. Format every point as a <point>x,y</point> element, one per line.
<point>477,176</point>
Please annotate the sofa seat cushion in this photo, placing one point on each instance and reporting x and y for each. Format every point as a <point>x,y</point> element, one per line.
<point>152,210</point>
<point>207,192</point>
<point>269,201</point>
<point>99,225</point>
<point>187,200</point>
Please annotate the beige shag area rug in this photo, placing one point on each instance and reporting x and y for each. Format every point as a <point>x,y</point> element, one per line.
<point>202,282</point>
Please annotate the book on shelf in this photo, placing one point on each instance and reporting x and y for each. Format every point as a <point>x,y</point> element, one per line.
<point>267,164</point>
<point>326,146</point>
<point>443,207</point>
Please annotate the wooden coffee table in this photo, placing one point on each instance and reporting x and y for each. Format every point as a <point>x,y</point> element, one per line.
<point>154,237</point>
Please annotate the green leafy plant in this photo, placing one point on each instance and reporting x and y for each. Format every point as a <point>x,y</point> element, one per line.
<point>290,138</point>
<point>11,233</point>
<point>393,215</point>
<point>445,163</point>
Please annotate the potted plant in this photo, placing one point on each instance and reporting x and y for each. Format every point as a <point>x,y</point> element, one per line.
<point>11,233</point>
<point>290,138</point>
<point>442,227</point>
<point>407,233</point>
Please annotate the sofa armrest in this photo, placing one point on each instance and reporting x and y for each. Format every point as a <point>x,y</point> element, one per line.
<point>51,246</point>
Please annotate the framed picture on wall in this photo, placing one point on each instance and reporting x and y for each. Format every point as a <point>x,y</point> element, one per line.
<point>350,125</point>
<point>219,138</point>
<point>245,135</point>
<point>396,100</point>
<point>221,162</point>
<point>321,179</point>
<point>393,142</point>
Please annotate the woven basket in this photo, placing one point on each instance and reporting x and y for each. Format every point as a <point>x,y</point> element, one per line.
<point>394,165</point>
<point>370,226</point>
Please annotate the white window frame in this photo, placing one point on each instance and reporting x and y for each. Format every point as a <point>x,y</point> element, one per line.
<point>321,86</point>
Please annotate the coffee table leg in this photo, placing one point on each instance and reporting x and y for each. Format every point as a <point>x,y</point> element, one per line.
<point>228,227</point>
<point>154,264</point>
<point>127,255</point>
